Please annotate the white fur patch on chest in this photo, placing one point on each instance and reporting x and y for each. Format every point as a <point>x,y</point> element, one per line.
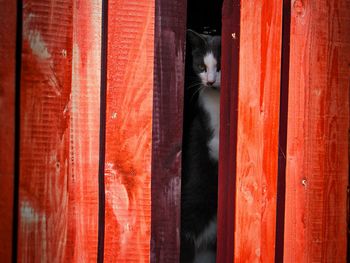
<point>209,99</point>
<point>208,235</point>
<point>206,256</point>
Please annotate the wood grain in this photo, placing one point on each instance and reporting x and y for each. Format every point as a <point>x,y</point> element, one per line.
<point>44,148</point>
<point>257,133</point>
<point>7,119</point>
<point>230,43</point>
<point>84,130</point>
<point>130,59</point>
<point>170,35</point>
<point>318,123</point>
<point>59,131</point>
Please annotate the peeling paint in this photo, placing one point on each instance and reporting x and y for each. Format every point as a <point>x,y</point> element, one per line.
<point>40,49</point>
<point>37,44</point>
<point>28,214</point>
<point>247,194</point>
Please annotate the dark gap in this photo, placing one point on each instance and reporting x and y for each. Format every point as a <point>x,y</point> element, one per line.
<point>17,131</point>
<point>101,168</point>
<point>203,17</point>
<point>282,134</point>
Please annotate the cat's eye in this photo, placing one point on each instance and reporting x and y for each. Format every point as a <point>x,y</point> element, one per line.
<point>202,67</point>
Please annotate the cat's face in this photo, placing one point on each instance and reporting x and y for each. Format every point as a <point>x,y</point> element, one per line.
<point>206,51</point>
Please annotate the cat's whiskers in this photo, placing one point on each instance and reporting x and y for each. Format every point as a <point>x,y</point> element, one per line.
<point>194,85</point>
<point>201,87</point>
<point>200,149</point>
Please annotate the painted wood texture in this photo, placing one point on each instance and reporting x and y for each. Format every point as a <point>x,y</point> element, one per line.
<point>59,131</point>
<point>7,119</point>
<point>84,131</point>
<point>130,58</point>
<point>230,42</point>
<point>167,129</point>
<point>318,123</point>
<point>257,133</point>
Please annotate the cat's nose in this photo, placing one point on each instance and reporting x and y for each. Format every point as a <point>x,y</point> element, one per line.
<point>210,83</point>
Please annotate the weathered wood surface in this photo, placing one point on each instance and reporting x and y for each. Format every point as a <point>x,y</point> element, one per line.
<point>170,35</point>
<point>84,130</point>
<point>228,130</point>
<point>129,130</point>
<point>318,123</point>
<point>257,133</point>
<point>7,120</point>
<point>59,131</point>
<point>44,148</point>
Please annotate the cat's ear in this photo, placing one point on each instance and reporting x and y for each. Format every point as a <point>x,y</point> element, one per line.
<point>196,40</point>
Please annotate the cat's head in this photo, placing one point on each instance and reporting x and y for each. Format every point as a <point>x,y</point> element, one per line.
<point>206,52</point>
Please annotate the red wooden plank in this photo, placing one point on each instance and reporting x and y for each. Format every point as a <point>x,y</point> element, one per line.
<point>84,130</point>
<point>167,129</point>
<point>257,133</point>
<point>7,120</point>
<point>129,130</point>
<point>44,148</point>
<point>318,123</point>
<point>230,41</point>
<point>59,131</point>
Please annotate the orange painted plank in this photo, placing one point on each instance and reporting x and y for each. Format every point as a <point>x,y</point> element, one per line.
<point>59,131</point>
<point>129,130</point>
<point>44,135</point>
<point>257,134</point>
<point>7,120</point>
<point>318,123</point>
<point>84,130</point>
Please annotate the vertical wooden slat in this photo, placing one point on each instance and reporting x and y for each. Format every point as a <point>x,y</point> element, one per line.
<point>7,120</point>
<point>230,41</point>
<point>45,115</point>
<point>170,32</point>
<point>84,130</point>
<point>130,57</point>
<point>318,123</point>
<point>59,131</point>
<point>257,133</point>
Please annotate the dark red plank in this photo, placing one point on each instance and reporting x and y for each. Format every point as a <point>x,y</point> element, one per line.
<point>7,120</point>
<point>228,129</point>
<point>170,30</point>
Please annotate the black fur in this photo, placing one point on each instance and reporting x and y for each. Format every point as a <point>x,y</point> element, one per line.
<point>199,171</point>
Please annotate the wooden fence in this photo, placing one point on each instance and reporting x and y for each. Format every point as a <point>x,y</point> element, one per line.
<point>91,107</point>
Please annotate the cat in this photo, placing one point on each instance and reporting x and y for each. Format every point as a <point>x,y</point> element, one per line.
<point>200,150</point>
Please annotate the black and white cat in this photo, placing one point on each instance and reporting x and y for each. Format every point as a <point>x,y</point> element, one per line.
<point>201,152</point>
